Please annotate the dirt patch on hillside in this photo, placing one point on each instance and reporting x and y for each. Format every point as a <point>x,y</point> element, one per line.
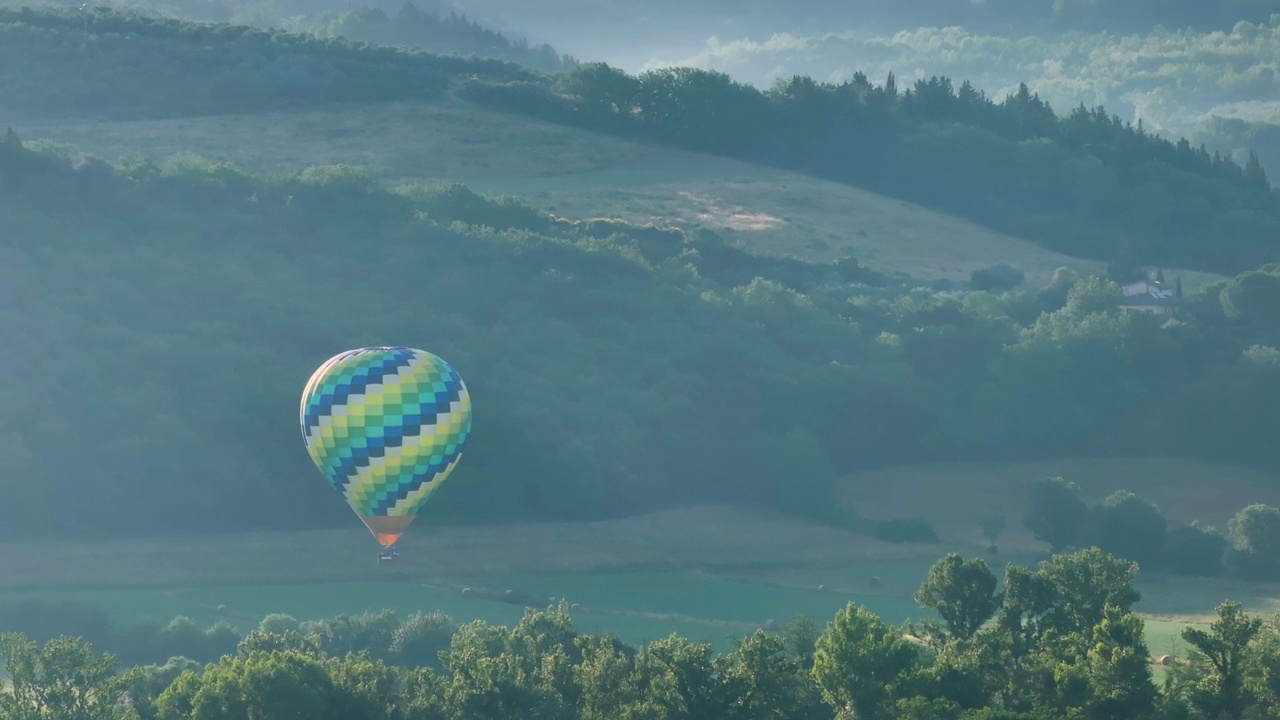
<point>579,174</point>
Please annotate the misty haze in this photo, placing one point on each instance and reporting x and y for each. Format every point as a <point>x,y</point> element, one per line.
<point>589,360</point>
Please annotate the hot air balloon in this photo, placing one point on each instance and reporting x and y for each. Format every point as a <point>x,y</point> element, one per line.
<point>386,426</point>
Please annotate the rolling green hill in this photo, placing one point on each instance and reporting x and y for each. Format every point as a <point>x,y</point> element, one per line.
<point>581,174</point>
<point>177,305</point>
<point>1084,184</point>
<point>177,309</point>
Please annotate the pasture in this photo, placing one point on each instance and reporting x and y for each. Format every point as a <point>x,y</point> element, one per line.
<point>708,573</point>
<point>579,174</point>
<point>637,606</point>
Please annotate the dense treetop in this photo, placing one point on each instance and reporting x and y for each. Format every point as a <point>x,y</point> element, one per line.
<point>1058,641</point>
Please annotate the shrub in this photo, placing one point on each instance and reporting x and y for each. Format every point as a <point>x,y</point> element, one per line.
<point>1255,535</point>
<point>420,639</point>
<point>997,277</point>
<point>1057,514</point>
<point>1130,527</point>
<point>1194,550</point>
<point>905,530</point>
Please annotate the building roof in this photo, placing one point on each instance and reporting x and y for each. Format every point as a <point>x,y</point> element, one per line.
<point>1154,297</point>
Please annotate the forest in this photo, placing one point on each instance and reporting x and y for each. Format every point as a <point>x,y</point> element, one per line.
<point>179,307</point>
<point>1056,641</point>
<point>445,34</point>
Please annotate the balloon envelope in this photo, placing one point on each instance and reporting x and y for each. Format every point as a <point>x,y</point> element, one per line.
<point>385,426</point>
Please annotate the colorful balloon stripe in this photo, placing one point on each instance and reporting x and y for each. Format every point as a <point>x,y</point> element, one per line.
<point>385,426</point>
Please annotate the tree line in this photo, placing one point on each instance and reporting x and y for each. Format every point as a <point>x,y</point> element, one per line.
<point>1086,183</point>
<point>452,33</point>
<point>120,64</point>
<point>1058,641</point>
<point>1132,527</point>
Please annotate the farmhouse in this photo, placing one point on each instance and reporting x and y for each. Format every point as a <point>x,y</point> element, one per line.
<point>1150,296</point>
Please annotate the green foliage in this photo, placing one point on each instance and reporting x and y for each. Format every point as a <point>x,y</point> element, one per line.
<point>1255,534</point>
<point>1119,669</point>
<point>412,27</point>
<point>905,530</point>
<point>1130,527</point>
<point>1224,648</point>
<point>260,641</point>
<point>996,277</point>
<point>801,636</point>
<point>279,623</point>
<point>51,67</point>
<point>1058,513</point>
<point>1194,550</point>
<point>199,298</point>
<point>279,684</point>
<point>421,638</point>
<point>861,664</point>
<point>1253,297</point>
<point>142,685</point>
<point>962,592</point>
<point>1067,596</point>
<point>368,631</point>
<point>1064,645</point>
<point>63,680</point>
<point>1092,295</point>
<point>766,682</point>
<point>1086,183</point>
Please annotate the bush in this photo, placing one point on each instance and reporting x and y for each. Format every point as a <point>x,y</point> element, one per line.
<point>1255,535</point>
<point>908,530</point>
<point>418,642</point>
<point>1194,550</point>
<point>997,277</point>
<point>1057,514</point>
<point>279,623</point>
<point>1130,527</point>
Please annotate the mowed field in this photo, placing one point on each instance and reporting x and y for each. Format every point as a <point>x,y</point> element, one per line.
<point>578,174</point>
<point>708,573</point>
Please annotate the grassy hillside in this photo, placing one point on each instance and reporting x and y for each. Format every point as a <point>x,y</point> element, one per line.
<point>1085,184</point>
<point>580,174</point>
<point>615,368</point>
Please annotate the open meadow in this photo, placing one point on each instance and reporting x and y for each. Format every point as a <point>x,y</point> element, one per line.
<point>579,174</point>
<point>708,573</point>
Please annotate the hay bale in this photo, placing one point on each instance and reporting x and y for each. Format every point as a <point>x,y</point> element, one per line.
<point>1165,660</point>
